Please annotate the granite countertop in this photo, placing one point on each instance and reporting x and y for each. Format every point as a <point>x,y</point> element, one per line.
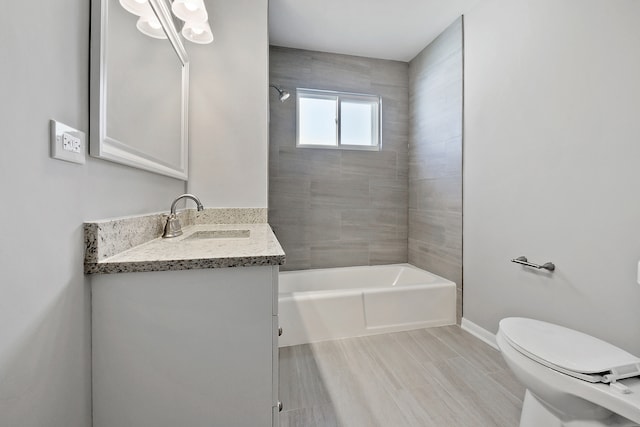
<point>109,248</point>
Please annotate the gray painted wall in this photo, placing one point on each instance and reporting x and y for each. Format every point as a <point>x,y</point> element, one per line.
<point>45,323</point>
<point>44,305</point>
<point>334,208</point>
<point>435,157</point>
<point>551,164</point>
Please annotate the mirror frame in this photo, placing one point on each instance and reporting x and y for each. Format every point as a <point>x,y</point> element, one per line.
<point>101,145</point>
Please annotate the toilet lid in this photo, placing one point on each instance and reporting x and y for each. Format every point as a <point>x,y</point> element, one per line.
<point>564,348</point>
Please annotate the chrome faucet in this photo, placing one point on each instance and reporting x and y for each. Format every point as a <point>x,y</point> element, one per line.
<point>173,228</point>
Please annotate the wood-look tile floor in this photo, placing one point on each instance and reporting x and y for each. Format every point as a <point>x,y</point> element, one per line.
<point>440,377</point>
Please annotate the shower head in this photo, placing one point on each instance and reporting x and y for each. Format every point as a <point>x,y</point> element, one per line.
<point>284,95</point>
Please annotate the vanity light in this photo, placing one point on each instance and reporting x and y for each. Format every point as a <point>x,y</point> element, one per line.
<point>150,26</point>
<point>190,10</point>
<point>197,32</point>
<point>196,27</point>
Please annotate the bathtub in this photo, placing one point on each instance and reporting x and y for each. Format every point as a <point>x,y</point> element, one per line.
<point>332,303</point>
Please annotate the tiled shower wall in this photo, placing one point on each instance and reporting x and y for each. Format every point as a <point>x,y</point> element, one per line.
<point>435,158</point>
<point>334,208</point>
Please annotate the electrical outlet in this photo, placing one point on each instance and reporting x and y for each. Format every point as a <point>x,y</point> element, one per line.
<point>67,143</point>
<point>71,143</point>
<point>76,145</point>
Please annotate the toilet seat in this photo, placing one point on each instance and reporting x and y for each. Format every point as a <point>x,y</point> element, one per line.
<point>570,352</point>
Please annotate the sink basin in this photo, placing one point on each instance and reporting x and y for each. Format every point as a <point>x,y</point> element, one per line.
<point>218,234</point>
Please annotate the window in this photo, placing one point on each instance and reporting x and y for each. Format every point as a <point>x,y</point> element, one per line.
<point>328,119</point>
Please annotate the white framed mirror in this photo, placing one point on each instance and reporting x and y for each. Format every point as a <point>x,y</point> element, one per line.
<point>139,90</point>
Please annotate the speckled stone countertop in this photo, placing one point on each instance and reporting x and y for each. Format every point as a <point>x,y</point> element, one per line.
<point>134,244</point>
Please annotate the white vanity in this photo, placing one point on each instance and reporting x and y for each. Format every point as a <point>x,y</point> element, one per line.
<point>194,344</point>
<point>184,329</point>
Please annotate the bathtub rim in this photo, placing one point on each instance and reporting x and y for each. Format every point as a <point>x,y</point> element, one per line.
<point>328,293</point>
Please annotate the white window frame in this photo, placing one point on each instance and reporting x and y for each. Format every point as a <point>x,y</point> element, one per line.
<point>339,97</point>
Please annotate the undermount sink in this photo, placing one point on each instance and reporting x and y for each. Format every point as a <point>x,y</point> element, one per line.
<point>218,234</point>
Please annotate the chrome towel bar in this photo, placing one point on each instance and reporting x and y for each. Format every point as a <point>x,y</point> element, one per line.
<point>523,260</point>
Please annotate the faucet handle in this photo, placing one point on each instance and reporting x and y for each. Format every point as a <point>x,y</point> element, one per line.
<point>172,228</point>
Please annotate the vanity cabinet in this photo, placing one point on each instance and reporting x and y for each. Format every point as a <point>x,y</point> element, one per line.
<point>186,348</point>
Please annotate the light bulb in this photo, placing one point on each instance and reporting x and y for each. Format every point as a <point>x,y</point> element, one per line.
<point>197,32</point>
<point>151,27</point>
<point>190,10</point>
<point>192,5</point>
<point>137,7</point>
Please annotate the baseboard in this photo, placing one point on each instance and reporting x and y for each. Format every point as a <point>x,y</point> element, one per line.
<point>479,332</point>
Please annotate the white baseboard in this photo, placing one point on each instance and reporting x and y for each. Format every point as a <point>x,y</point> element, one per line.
<point>479,332</point>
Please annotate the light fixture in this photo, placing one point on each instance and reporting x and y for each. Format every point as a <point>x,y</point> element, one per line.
<point>150,26</point>
<point>190,10</point>
<point>137,7</point>
<point>284,95</point>
<point>196,26</point>
<point>197,32</point>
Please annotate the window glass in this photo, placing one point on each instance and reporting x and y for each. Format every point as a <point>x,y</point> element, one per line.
<point>317,121</point>
<point>329,119</point>
<point>356,123</point>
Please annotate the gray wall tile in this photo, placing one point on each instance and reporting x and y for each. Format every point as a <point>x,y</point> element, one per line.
<point>435,158</point>
<point>290,191</point>
<point>369,163</point>
<point>339,254</point>
<point>335,208</point>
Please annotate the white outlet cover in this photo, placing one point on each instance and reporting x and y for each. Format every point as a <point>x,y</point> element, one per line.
<point>76,138</point>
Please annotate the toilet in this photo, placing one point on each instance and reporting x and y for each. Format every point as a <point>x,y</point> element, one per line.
<point>571,379</point>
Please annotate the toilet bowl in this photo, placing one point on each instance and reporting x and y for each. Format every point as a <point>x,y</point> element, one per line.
<point>572,379</point>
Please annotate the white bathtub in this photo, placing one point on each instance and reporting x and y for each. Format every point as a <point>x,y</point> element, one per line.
<point>332,303</point>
